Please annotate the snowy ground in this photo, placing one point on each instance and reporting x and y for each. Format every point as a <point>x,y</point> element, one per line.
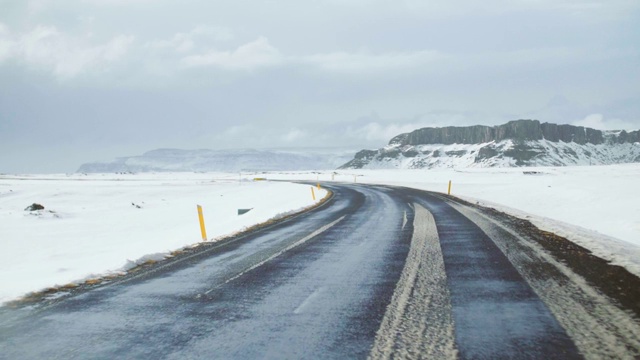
<point>597,207</point>
<point>106,223</point>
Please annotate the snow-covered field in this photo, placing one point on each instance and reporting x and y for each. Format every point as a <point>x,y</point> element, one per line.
<point>597,207</point>
<point>106,223</point>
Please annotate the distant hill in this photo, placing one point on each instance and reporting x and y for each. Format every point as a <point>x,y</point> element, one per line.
<point>162,160</point>
<point>516,143</point>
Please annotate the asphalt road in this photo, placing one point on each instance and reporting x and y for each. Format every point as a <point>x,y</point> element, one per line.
<point>376,272</point>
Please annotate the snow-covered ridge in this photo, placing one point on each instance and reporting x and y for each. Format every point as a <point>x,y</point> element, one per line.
<point>177,160</point>
<point>502,154</point>
<point>517,143</point>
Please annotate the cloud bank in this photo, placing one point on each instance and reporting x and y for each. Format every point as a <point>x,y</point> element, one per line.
<point>105,78</point>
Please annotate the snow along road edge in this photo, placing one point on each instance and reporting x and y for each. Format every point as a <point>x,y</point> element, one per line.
<point>152,263</point>
<point>598,327</point>
<point>418,323</point>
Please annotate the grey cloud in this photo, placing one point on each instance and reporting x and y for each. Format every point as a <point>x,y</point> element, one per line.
<point>45,47</point>
<point>101,79</point>
<point>255,54</point>
<point>598,121</point>
<point>186,41</point>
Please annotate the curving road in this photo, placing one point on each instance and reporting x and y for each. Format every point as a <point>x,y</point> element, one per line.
<point>376,272</point>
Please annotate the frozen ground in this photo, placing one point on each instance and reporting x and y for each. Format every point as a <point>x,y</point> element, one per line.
<point>106,223</point>
<point>597,207</point>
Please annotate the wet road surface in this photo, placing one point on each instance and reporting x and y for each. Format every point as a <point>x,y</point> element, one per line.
<point>333,283</point>
<point>495,311</point>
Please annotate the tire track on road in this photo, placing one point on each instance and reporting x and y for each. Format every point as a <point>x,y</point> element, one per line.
<point>496,312</point>
<point>418,323</point>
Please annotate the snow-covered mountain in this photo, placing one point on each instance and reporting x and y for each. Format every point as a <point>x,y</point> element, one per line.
<point>517,143</point>
<point>224,160</point>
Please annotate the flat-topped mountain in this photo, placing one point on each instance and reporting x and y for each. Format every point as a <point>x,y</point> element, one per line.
<point>516,143</point>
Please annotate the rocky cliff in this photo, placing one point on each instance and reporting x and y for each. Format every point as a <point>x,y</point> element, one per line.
<point>516,143</point>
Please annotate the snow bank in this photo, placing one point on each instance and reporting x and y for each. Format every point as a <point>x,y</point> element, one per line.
<point>106,223</point>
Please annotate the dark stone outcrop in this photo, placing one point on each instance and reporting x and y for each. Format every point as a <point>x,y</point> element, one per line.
<point>400,139</point>
<point>485,153</point>
<point>518,130</point>
<point>521,154</point>
<point>570,133</point>
<point>411,152</point>
<point>447,135</point>
<point>628,137</point>
<point>361,159</point>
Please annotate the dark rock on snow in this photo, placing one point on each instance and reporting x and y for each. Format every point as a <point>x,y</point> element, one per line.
<point>34,207</point>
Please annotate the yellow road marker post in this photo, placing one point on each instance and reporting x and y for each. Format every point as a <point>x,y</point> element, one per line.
<point>313,194</point>
<point>202,229</point>
<point>449,190</point>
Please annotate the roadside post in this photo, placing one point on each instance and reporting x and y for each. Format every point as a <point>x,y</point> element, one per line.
<point>313,194</point>
<point>202,229</point>
<point>449,190</point>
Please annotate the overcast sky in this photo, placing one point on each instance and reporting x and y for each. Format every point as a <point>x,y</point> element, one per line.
<point>85,80</point>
